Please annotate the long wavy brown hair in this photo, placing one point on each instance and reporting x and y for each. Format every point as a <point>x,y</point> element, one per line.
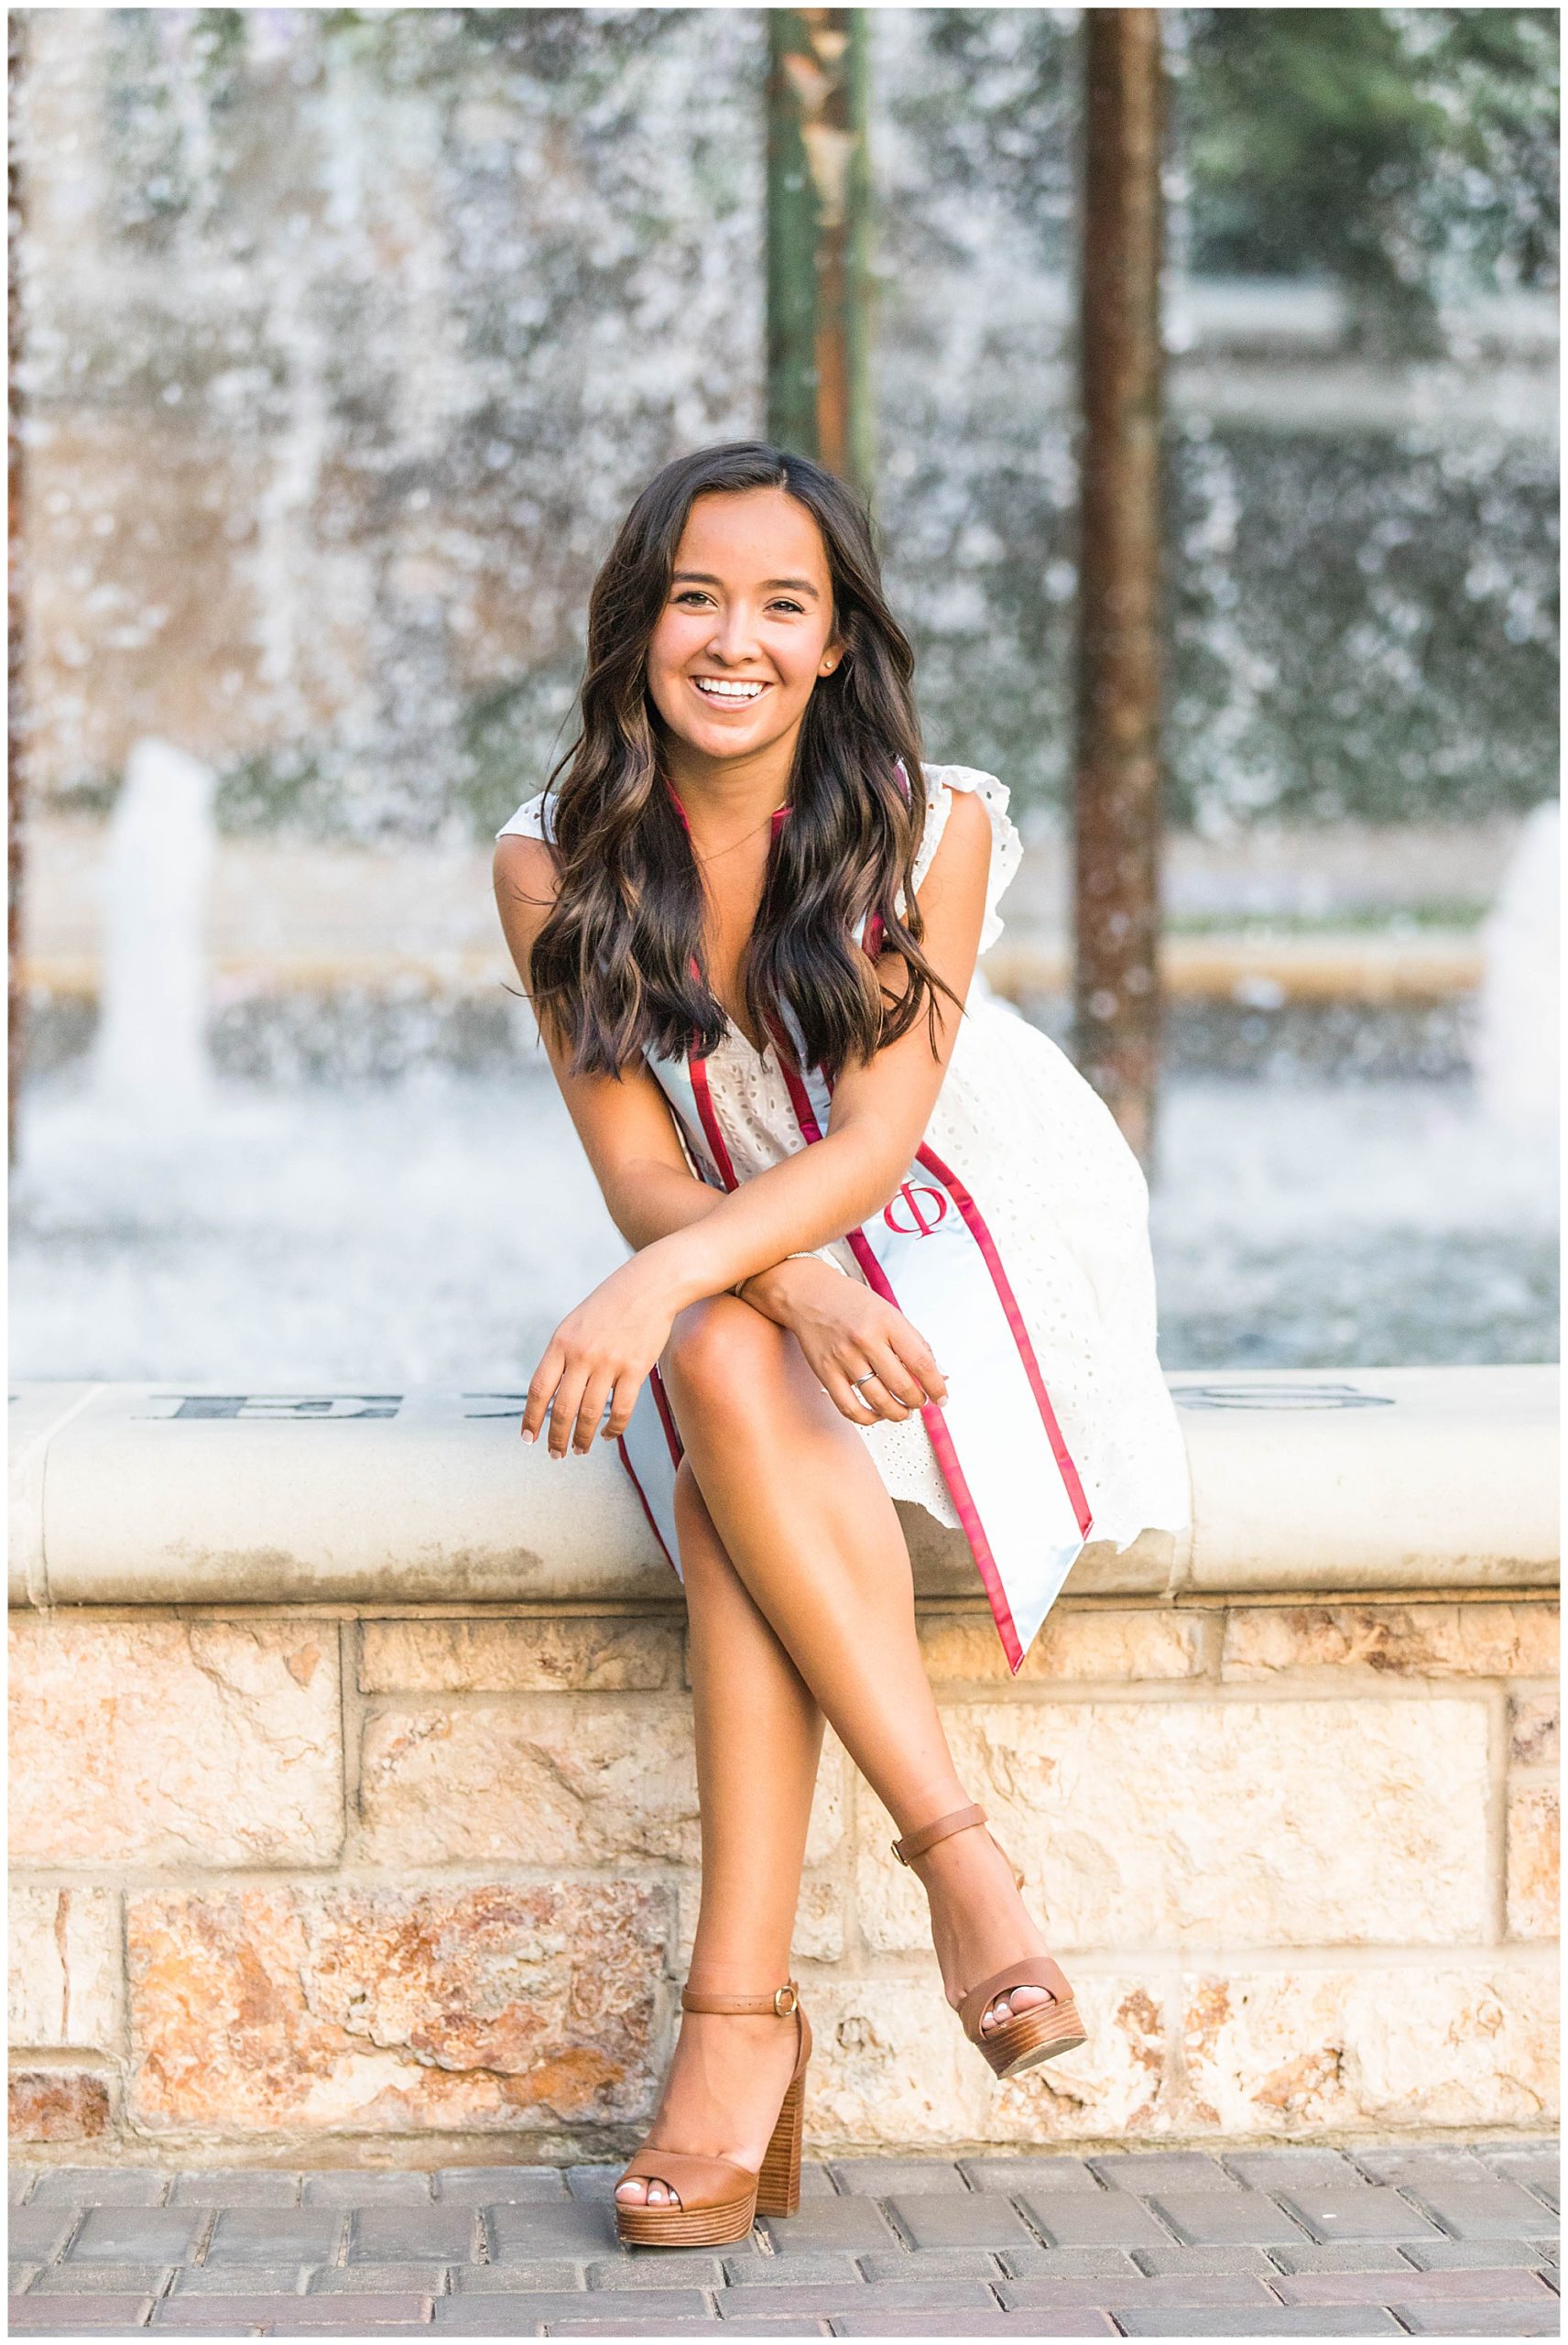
<point>612,967</point>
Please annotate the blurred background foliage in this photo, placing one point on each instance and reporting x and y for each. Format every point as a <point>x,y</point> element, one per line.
<point>1412,153</point>
<point>408,304</point>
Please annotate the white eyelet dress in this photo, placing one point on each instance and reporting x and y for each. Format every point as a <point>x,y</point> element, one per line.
<point>1057,1205</point>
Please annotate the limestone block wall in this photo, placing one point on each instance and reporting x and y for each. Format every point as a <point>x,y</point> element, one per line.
<point>350,1875</point>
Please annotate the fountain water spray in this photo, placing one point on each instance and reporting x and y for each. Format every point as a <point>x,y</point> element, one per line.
<point>151,1062</point>
<point>1516,1036</point>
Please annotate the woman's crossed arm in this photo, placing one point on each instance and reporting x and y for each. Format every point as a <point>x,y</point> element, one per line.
<point>693,1240</point>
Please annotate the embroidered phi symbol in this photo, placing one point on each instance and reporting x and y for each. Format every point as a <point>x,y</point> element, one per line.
<point>922,1221</point>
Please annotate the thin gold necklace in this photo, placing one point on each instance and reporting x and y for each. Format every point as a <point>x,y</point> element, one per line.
<point>703,861</point>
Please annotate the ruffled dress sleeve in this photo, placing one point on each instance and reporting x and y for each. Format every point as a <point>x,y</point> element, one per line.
<point>531,821</point>
<point>1007,844</point>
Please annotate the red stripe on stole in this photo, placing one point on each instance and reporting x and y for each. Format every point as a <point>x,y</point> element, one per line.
<point>935,1423</point>
<point>676,1446</point>
<point>652,1524</point>
<point>805,1114</point>
<point>697,1070</point>
<point>696,1065</point>
<point>966,1206</point>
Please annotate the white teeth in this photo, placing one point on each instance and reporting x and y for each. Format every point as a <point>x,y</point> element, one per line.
<point>715,689</point>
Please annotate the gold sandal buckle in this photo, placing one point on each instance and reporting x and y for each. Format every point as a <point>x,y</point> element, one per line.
<point>898,1852</point>
<point>787,2011</point>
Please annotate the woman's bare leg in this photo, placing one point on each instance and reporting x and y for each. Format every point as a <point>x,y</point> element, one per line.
<point>758,1734</point>
<point>805,1519</point>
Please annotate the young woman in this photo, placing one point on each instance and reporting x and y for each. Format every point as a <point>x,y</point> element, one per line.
<point>748,916</point>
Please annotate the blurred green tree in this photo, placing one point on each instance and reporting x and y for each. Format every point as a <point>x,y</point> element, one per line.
<point>1410,153</point>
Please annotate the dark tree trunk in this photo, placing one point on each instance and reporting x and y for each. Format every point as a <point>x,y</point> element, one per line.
<point>1116,844</point>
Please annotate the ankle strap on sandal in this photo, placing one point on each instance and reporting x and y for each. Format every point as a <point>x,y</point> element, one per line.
<point>784,2001</point>
<point>959,1819</point>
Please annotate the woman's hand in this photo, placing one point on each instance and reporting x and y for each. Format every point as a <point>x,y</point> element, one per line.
<point>601,1351</point>
<point>843,1329</point>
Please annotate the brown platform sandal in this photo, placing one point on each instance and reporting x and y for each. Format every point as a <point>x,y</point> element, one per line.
<point>1029,2036</point>
<point>719,2201</point>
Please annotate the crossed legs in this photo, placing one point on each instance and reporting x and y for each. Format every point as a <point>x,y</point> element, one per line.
<point>800,1604</point>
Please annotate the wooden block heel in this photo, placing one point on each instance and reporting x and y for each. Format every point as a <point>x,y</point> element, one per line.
<point>1043,2030</point>
<point>719,2200</point>
<point>779,2184</point>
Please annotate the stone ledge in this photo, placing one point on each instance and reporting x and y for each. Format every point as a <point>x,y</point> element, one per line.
<point>1330,1480</point>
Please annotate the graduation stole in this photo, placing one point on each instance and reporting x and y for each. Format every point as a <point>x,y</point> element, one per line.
<point>929,1252</point>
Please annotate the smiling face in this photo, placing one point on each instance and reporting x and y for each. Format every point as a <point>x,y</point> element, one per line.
<point>747,632</point>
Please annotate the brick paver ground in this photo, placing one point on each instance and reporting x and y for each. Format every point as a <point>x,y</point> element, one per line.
<point>1381,2241</point>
